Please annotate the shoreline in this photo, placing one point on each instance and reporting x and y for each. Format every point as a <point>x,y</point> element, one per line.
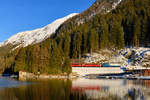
<point>25,76</point>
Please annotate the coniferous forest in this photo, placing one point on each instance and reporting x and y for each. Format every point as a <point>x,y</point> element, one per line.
<point>126,26</point>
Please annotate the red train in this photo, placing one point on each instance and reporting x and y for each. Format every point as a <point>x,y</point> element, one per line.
<point>85,65</point>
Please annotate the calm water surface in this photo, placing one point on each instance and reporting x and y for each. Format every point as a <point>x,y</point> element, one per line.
<point>77,89</point>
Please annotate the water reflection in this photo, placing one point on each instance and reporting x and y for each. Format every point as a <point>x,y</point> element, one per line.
<point>10,82</point>
<point>43,90</point>
<point>79,89</point>
<point>113,89</point>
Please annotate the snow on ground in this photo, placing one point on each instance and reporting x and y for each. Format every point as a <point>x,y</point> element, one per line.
<point>35,36</point>
<point>99,57</point>
<point>126,57</point>
<point>116,4</point>
<point>136,56</point>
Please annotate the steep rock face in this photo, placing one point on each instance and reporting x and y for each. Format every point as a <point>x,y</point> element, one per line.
<point>35,36</point>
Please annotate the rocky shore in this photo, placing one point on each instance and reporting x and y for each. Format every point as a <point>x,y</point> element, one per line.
<point>27,76</point>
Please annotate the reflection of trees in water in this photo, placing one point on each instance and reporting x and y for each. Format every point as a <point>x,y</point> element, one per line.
<point>138,82</point>
<point>45,90</point>
<point>78,96</point>
<point>48,90</point>
<point>62,90</point>
<point>84,96</point>
<point>134,94</point>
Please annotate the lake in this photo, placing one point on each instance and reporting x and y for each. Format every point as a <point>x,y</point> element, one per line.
<point>76,89</point>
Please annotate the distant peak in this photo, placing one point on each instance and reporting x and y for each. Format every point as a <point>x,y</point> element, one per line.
<point>35,36</point>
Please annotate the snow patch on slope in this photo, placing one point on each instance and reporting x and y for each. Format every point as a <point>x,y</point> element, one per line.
<point>35,36</point>
<point>98,57</point>
<point>137,56</point>
<point>114,5</point>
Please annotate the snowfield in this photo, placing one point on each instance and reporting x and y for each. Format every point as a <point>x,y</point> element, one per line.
<point>35,36</point>
<point>99,57</point>
<point>136,56</point>
<point>139,57</point>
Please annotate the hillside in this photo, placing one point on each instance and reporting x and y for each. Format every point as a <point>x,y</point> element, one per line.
<point>23,39</point>
<point>137,56</point>
<point>125,26</point>
<point>99,7</point>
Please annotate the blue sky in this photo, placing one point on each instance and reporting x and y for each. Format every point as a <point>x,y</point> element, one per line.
<point>21,15</point>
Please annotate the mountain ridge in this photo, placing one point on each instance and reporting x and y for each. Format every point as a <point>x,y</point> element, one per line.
<point>37,35</point>
<point>98,7</point>
<point>23,39</point>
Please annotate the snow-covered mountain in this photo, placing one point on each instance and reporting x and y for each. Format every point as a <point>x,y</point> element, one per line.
<point>35,36</point>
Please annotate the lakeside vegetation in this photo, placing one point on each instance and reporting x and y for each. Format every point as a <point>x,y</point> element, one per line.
<point>127,25</point>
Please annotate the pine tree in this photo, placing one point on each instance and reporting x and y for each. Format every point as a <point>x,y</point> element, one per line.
<point>120,38</point>
<point>56,59</point>
<point>66,44</point>
<point>20,63</point>
<point>77,40</point>
<point>136,32</point>
<point>67,66</point>
<point>117,35</point>
<point>104,41</point>
<point>36,59</point>
<point>93,40</point>
<point>85,31</point>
